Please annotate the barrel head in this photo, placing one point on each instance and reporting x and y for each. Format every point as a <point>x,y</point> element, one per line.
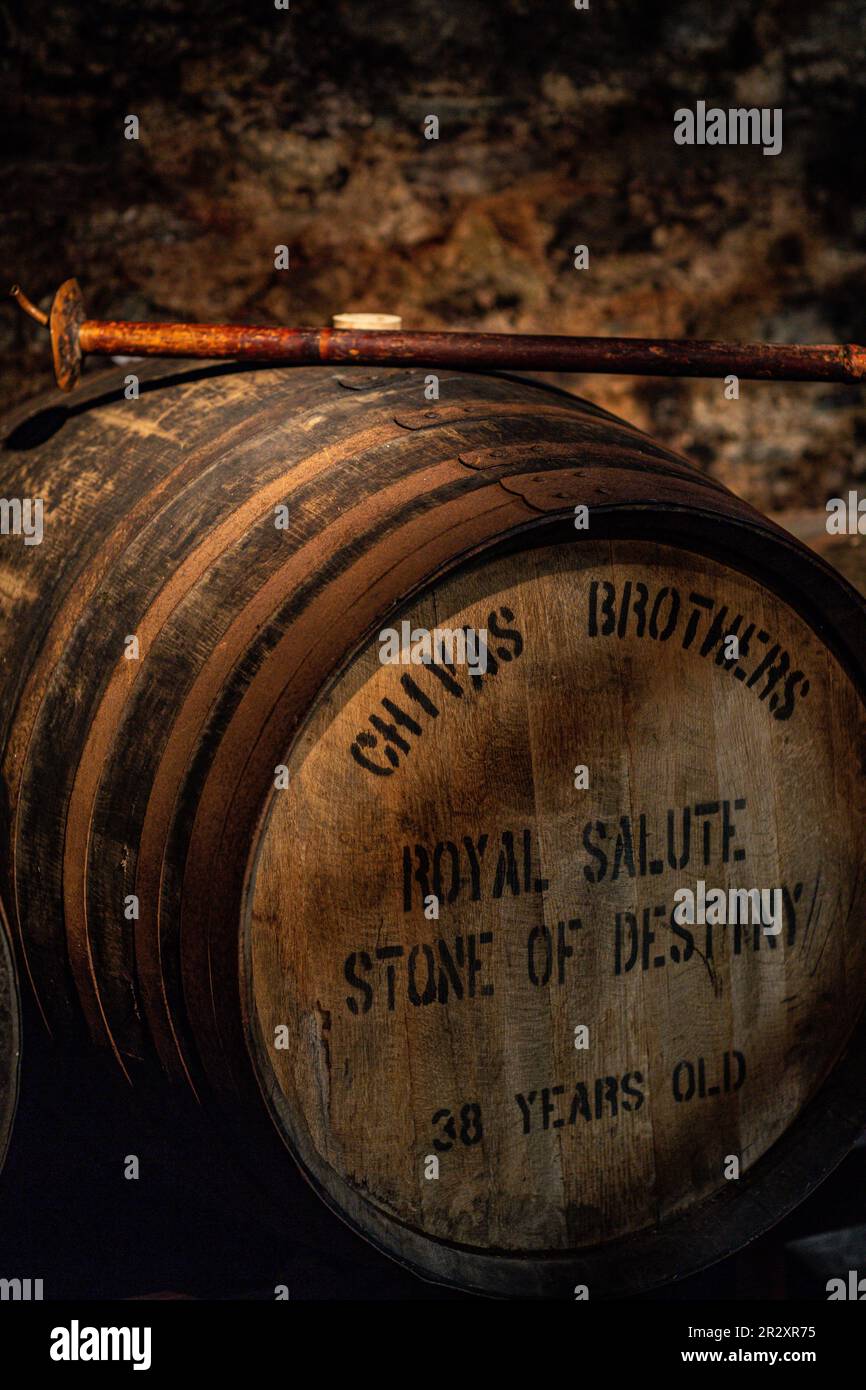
<point>484,1016</point>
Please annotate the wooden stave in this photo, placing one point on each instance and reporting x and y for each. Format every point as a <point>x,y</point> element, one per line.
<point>56,715</point>
<point>10,1037</point>
<point>717,520</point>
<point>9,699</point>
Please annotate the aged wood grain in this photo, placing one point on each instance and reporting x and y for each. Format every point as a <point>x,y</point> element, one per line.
<point>663,730</point>
<point>154,779</point>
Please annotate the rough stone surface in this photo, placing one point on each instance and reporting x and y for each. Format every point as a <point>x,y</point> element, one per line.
<point>260,127</point>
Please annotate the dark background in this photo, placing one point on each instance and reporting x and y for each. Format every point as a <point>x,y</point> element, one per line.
<point>261,127</point>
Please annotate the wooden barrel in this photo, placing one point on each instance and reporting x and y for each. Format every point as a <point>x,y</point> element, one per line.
<point>387,764</point>
<point>10,1037</point>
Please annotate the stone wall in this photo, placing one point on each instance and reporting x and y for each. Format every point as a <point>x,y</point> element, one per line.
<point>305,127</point>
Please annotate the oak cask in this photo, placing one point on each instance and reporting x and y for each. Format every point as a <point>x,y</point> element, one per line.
<point>421,913</point>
